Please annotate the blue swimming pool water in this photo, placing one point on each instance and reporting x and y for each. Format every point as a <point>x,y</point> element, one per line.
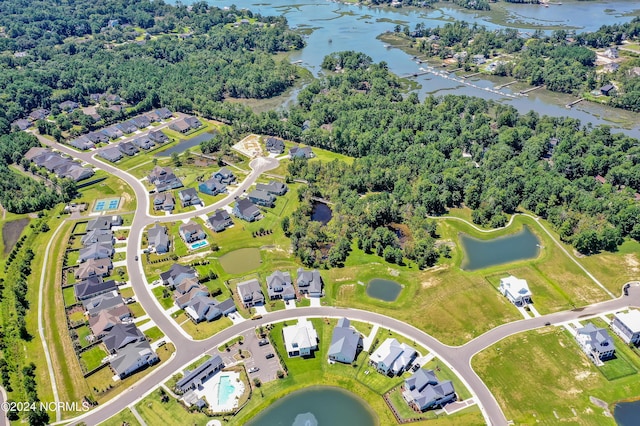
<point>225,390</point>
<point>198,244</point>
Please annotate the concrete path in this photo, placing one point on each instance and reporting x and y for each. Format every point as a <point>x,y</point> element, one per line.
<point>368,340</point>
<point>147,325</point>
<point>315,302</point>
<point>260,310</point>
<point>290,305</point>
<point>137,415</point>
<point>534,311</point>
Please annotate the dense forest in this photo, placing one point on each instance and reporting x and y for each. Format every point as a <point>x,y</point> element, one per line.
<point>563,62</point>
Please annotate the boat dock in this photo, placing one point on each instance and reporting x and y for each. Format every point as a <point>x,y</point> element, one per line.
<point>506,84</point>
<point>524,92</point>
<point>571,104</point>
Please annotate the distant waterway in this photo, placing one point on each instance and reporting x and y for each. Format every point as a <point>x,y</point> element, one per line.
<point>186,144</point>
<point>336,26</point>
<point>480,254</point>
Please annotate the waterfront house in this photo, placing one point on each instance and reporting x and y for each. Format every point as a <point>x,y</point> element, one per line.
<point>261,198</point>
<point>300,339</point>
<point>627,326</point>
<point>595,342</point>
<point>158,240</point>
<point>392,357</point>
<point>346,342</point>
<point>516,290</point>
<point>128,148</point>
<point>180,126</point>
<point>164,179</point>
<point>144,142</point>
<point>164,201</point>
<point>224,175</point>
<point>212,187</point>
<point>189,197</point>
<point>607,89</point>
<point>220,220</point>
<point>246,210</point>
<point>273,187</point>
<point>194,379</point>
<point>309,282</point>
<point>250,293</point>
<point>112,154</point>
<point>191,232</point>
<point>279,286</point>
<point>133,358</point>
<point>275,145</point>
<point>158,136</point>
<point>193,122</point>
<point>423,390</point>
<point>305,152</point>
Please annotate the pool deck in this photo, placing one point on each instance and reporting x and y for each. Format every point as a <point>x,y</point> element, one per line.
<point>210,391</point>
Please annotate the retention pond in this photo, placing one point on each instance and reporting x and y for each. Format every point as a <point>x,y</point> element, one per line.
<point>480,254</point>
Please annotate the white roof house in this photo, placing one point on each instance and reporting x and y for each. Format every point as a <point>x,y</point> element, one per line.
<point>516,290</point>
<point>392,357</point>
<point>300,339</point>
<point>627,326</point>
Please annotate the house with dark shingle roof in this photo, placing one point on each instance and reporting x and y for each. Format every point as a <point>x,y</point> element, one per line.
<point>112,132</point>
<point>128,148</point>
<point>305,152</point>
<point>191,232</point>
<point>212,187</point>
<point>189,197</point>
<point>132,358</point>
<point>224,175</point>
<point>261,198</point>
<point>68,106</point>
<point>346,342</point>
<point>194,379</point>
<point>164,201</point>
<point>158,238</point>
<point>103,223</point>
<point>158,136</point>
<point>309,282</point>
<point>423,390</point>
<point>280,286</point>
<point>141,121</point>
<point>144,142</point>
<point>163,113</point>
<point>250,293</point>
<point>164,179</point>
<point>193,122</point>
<point>220,220</point>
<point>607,89</point>
<point>21,124</point>
<point>120,336</point>
<point>273,187</point>
<point>112,154</point>
<point>97,236</point>
<point>89,288</point>
<point>275,145</point>
<point>83,143</point>
<point>180,126</point>
<point>595,342</point>
<point>97,137</point>
<point>102,302</point>
<point>38,114</point>
<point>94,267</point>
<point>246,210</point>
<point>176,274</point>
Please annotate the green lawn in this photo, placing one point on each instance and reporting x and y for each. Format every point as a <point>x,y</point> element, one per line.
<point>123,417</point>
<point>127,292</point>
<point>72,258</point>
<point>204,329</point>
<point>93,357</point>
<point>77,316</point>
<point>166,302</point>
<point>561,369</point>
<point>83,332</point>
<point>153,334</point>
<point>69,296</point>
<point>155,412</point>
<point>136,309</point>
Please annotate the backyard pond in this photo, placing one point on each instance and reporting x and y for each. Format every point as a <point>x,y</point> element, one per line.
<point>241,261</point>
<point>185,144</point>
<point>308,407</point>
<point>382,289</point>
<point>480,254</point>
<point>321,213</point>
<point>627,413</point>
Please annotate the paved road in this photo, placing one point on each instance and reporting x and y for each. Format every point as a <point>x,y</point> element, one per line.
<point>457,358</point>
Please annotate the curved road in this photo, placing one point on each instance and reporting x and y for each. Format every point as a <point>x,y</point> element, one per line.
<point>457,358</point>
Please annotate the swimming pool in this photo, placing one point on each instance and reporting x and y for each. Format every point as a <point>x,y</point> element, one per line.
<point>106,204</point>
<point>198,244</point>
<point>225,390</point>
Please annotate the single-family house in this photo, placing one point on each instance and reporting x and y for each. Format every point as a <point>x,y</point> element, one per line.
<point>423,390</point>
<point>21,124</point>
<point>607,89</point>
<point>516,290</point>
<point>183,299</point>
<point>273,187</point>
<point>128,148</point>
<point>36,152</point>
<point>305,152</point>
<point>158,136</point>
<point>279,286</point>
<point>274,145</point>
<point>120,336</point>
<point>106,319</point>
<point>611,53</point>
<point>250,293</point>
<point>246,210</point>
<point>163,113</point>
<point>309,282</point>
<point>180,126</point>
<point>38,114</point>
<point>191,232</point>
<point>164,179</point>
<point>96,251</point>
<point>141,121</point>
<point>164,201</point>
<point>83,143</point>
<point>103,223</point>
<point>143,142</point>
<point>152,116</point>
<point>102,302</point>
<point>112,132</point>
<point>392,357</point>
<point>194,379</point>
<point>202,308</point>
<point>94,267</point>
<point>189,197</point>
<point>193,122</point>
<point>627,326</point>
<point>133,358</point>
<point>220,220</point>
<point>97,137</point>
<point>261,198</point>
<point>68,106</point>
<point>300,339</point>
<point>224,175</point>
<point>111,153</point>
<point>478,59</point>
<point>176,274</point>
<point>595,342</point>
<point>97,236</point>
<point>158,239</point>
<point>611,67</point>
<point>212,187</point>
<point>127,126</point>
<point>346,342</point>
<point>92,287</point>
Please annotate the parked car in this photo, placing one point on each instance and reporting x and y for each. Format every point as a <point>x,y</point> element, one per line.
<point>269,355</point>
<point>253,369</point>
<point>263,342</point>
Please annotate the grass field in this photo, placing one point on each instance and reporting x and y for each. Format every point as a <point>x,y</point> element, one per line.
<point>155,412</point>
<point>153,334</point>
<point>92,358</point>
<point>123,417</point>
<point>204,329</point>
<point>561,369</point>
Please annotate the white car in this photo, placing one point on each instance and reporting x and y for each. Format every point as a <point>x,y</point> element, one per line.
<point>253,369</point>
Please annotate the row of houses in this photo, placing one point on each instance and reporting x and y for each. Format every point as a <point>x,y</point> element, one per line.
<point>276,146</point>
<point>264,195</point>
<point>62,166</point>
<point>192,296</point>
<point>280,286</point>
<point>599,345</point>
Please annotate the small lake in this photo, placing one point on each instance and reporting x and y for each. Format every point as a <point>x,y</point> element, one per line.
<point>479,254</point>
<point>321,213</point>
<point>627,413</point>
<point>382,289</point>
<point>185,144</point>
<point>241,261</point>
<point>317,406</point>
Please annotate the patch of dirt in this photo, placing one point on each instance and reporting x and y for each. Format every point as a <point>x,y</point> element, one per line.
<point>573,391</point>
<point>11,233</point>
<point>432,282</point>
<point>632,262</point>
<point>393,272</point>
<point>583,375</point>
<point>339,280</point>
<point>127,197</point>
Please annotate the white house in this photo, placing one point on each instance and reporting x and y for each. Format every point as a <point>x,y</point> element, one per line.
<point>595,342</point>
<point>392,357</point>
<point>516,290</point>
<point>300,339</point>
<point>345,342</point>
<point>627,326</point>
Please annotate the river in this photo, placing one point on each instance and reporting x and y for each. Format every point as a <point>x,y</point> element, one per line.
<point>337,26</point>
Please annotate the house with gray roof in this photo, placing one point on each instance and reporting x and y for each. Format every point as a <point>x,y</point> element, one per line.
<point>164,179</point>
<point>97,137</point>
<point>309,282</point>
<point>180,126</point>
<point>102,302</point>
<point>112,132</point>
<point>120,336</point>
<point>595,342</point>
<point>143,142</point>
<point>158,136</point>
<point>164,201</point>
<point>202,308</point>
<point>194,379</point>
<point>346,342</point>
<point>274,145</point>
<point>279,286</point>
<point>183,299</point>
<point>224,175</point>
<point>96,251</point>
<point>250,293</point>
<point>423,390</point>
<point>97,236</point>
<point>128,148</point>
<point>83,143</point>
<point>132,358</point>
<point>111,153</point>
<point>212,187</point>
<point>189,197</point>
<point>68,106</point>
<point>94,267</point>
<point>392,357</point>
<point>89,288</point>
<point>21,124</point>
<point>158,238</point>
<point>193,122</point>
<point>261,198</point>
<point>305,152</point>
<point>246,210</point>
<point>38,114</point>
<point>141,121</point>
<point>220,220</point>
<point>176,274</point>
<point>127,126</point>
<point>152,116</point>
<point>191,232</point>
<point>163,113</point>
<point>273,187</point>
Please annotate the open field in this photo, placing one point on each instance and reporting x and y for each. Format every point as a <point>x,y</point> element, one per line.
<point>124,416</point>
<point>561,369</point>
